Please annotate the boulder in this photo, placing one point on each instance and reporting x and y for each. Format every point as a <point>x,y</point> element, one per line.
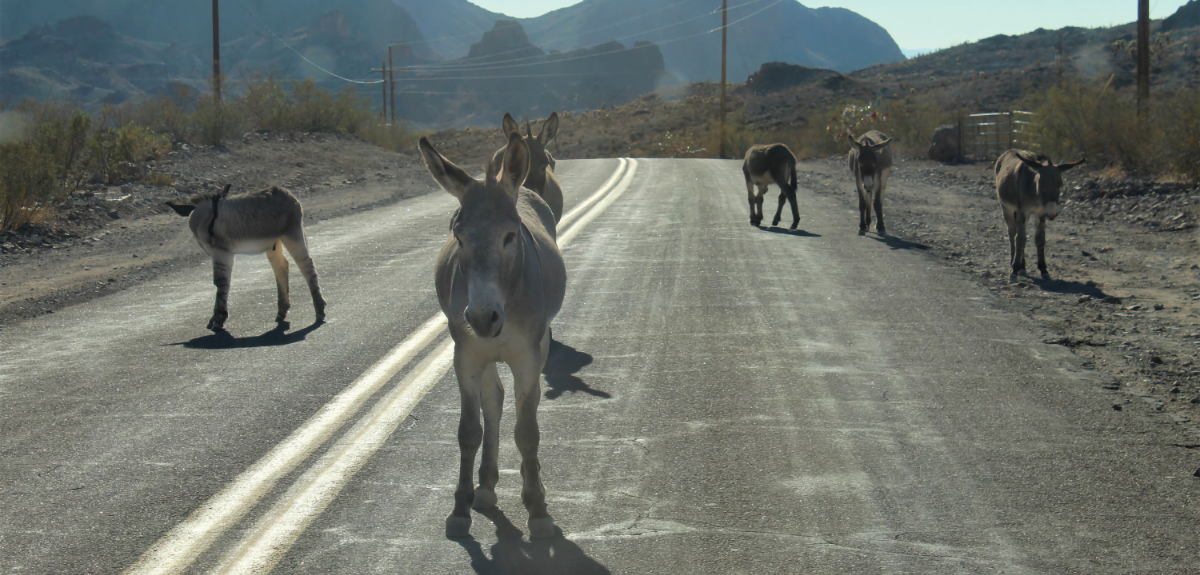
<point>944,147</point>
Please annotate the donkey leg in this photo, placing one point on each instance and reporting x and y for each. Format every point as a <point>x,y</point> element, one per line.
<point>222,272</point>
<point>527,379</point>
<point>1039,240</point>
<point>279,265</point>
<point>492,395</point>
<point>750,197</point>
<point>1019,255</point>
<point>470,435</point>
<point>795,210</point>
<point>298,247</point>
<point>864,210</point>
<point>883,175</point>
<point>783,196</point>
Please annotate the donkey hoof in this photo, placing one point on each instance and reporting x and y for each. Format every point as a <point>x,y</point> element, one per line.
<point>794,225</point>
<point>542,528</point>
<point>484,498</point>
<point>216,326</point>
<point>457,526</point>
<point>280,318</point>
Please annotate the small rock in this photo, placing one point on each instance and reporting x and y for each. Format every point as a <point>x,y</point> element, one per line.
<point>1155,359</point>
<point>1117,407</point>
<point>1112,299</point>
<point>1159,307</point>
<point>1085,298</point>
<point>1134,307</point>
<point>114,214</point>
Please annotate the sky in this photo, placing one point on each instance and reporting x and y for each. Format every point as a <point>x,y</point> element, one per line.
<point>924,25</point>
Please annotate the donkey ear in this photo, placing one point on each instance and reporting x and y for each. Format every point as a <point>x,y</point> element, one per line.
<point>449,176</point>
<point>509,125</point>
<point>184,210</point>
<point>880,145</point>
<point>854,142</point>
<point>1067,166</point>
<point>549,129</point>
<point>515,167</point>
<point>1031,162</point>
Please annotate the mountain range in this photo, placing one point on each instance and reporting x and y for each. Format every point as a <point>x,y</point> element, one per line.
<point>112,50</point>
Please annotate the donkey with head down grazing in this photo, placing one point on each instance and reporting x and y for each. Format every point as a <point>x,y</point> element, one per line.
<point>541,164</point>
<point>252,223</point>
<point>1028,186</point>
<point>500,280</point>
<point>870,161</point>
<point>765,165</point>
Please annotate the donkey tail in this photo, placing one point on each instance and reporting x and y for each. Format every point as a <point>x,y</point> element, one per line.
<point>792,182</point>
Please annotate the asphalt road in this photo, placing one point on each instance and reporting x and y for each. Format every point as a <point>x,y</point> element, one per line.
<point>719,399</point>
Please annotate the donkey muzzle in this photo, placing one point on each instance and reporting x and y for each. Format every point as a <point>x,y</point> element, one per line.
<point>486,321</point>
<point>867,181</point>
<point>1051,210</point>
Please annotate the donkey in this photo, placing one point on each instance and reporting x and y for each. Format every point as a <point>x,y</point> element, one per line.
<point>541,163</point>
<point>870,162</point>
<point>500,280</point>
<point>251,223</point>
<point>765,165</point>
<point>1028,186</point>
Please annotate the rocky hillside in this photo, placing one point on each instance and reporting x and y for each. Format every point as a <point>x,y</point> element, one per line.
<point>787,31</point>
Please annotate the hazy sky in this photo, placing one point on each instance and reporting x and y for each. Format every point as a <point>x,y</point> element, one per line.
<point>931,24</point>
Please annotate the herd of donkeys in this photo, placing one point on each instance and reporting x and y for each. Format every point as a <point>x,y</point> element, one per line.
<point>500,277</point>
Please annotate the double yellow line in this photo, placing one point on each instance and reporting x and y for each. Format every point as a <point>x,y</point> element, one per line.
<point>275,532</point>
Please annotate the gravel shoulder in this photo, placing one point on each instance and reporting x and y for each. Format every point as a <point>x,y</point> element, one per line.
<point>105,239</point>
<point>1124,292</point>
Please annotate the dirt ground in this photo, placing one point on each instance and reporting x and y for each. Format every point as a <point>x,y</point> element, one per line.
<point>1125,293</point>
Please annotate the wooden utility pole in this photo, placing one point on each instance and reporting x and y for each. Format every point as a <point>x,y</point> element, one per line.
<point>216,53</point>
<point>391,80</point>
<point>383,69</point>
<point>1143,59</point>
<point>724,45</point>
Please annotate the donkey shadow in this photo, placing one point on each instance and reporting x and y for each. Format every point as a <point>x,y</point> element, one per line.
<point>276,337</point>
<point>562,363</point>
<point>788,232</point>
<point>1069,287</point>
<point>513,555</point>
<point>896,243</point>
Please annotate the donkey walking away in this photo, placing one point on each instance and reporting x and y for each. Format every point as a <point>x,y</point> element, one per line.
<point>541,164</point>
<point>500,280</point>
<point>765,165</point>
<point>1028,186</point>
<point>251,223</point>
<point>870,162</point>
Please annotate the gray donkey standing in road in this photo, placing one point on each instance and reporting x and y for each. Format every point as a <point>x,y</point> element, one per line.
<point>251,223</point>
<point>870,161</point>
<point>500,280</point>
<point>765,165</point>
<point>541,164</point>
<point>1028,186</point>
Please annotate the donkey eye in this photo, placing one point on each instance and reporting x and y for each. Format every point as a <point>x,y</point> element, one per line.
<point>509,238</point>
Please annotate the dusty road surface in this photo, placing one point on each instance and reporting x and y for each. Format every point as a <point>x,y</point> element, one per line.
<point>720,398</point>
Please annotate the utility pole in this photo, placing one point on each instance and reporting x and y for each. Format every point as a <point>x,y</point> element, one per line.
<point>724,45</point>
<point>392,84</point>
<point>216,53</point>
<point>1143,59</point>
<point>383,69</point>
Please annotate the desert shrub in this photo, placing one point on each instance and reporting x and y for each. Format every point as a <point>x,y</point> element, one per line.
<point>1183,134</point>
<point>1077,117</point>
<point>389,137</point>
<point>27,183</point>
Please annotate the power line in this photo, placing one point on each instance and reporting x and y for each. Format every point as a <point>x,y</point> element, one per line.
<point>297,52</point>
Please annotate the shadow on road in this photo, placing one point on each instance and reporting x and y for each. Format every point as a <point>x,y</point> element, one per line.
<point>278,336</point>
<point>787,232</point>
<point>512,554</point>
<point>898,244</point>
<point>562,364</point>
